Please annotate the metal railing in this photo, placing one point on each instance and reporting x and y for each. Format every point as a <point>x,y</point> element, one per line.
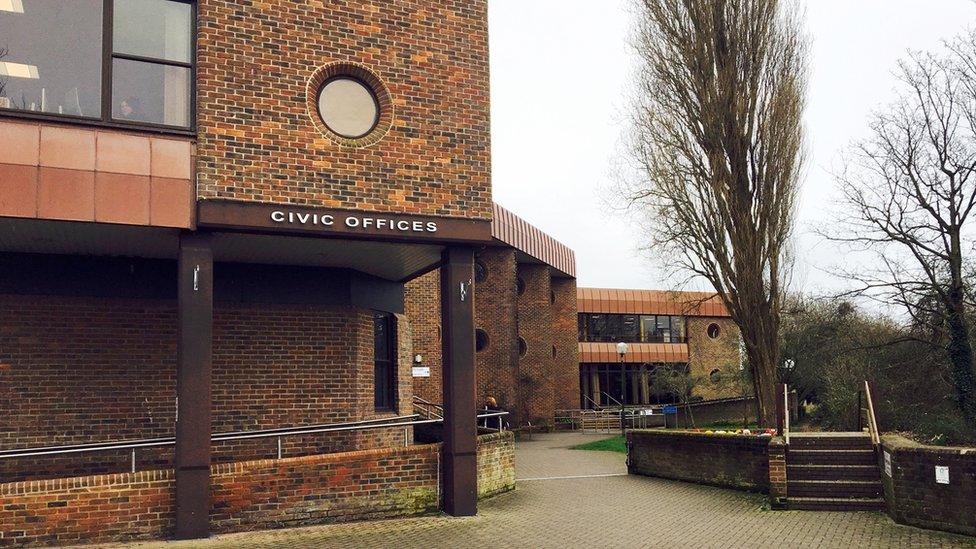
<point>279,433</point>
<point>428,409</point>
<point>872,418</point>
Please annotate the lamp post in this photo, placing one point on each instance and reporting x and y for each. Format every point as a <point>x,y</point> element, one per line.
<point>622,350</point>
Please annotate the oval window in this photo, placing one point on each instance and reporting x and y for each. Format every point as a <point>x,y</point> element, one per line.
<point>480,272</point>
<point>713,330</point>
<point>348,107</point>
<point>523,347</point>
<point>519,286</point>
<point>480,340</point>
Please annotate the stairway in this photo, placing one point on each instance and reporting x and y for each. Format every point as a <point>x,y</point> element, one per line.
<point>833,472</point>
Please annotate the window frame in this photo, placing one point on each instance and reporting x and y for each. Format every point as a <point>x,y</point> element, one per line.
<point>391,396</point>
<point>105,120</point>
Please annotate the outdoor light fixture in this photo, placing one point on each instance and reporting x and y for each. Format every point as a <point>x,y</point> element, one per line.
<point>418,359</point>
<point>622,349</point>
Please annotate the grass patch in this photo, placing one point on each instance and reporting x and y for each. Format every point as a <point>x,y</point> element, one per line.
<point>615,444</point>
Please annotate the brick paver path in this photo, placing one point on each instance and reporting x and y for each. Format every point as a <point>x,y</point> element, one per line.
<point>607,509</point>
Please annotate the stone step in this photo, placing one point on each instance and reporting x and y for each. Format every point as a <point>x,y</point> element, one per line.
<point>833,472</point>
<point>835,504</point>
<point>830,457</point>
<point>833,488</point>
<point>840,441</point>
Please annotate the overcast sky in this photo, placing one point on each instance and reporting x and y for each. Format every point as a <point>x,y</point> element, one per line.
<point>561,71</point>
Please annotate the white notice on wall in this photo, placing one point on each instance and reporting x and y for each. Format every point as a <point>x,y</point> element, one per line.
<point>942,474</point>
<point>420,371</point>
<point>887,463</point>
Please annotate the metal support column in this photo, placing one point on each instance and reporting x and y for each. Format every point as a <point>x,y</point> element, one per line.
<point>194,349</point>
<point>459,463</point>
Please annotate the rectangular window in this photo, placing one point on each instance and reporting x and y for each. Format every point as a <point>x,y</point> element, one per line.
<point>125,62</point>
<point>611,328</point>
<point>384,361</point>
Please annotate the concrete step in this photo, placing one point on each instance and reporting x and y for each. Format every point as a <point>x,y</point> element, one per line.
<point>833,488</point>
<point>827,441</point>
<point>835,504</point>
<point>833,472</point>
<point>830,457</point>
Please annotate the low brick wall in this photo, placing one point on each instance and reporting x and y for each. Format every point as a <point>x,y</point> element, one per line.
<point>325,488</point>
<point>496,463</point>
<point>732,461</point>
<point>248,495</point>
<point>116,507</point>
<point>914,497</point>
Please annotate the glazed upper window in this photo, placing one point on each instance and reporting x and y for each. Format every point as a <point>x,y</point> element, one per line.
<point>124,62</point>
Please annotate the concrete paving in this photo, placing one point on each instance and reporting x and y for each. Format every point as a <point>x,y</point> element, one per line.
<point>573,498</point>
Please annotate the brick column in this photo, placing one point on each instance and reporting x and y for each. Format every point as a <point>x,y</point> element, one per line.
<point>777,473</point>
<point>193,395</point>
<point>460,468</point>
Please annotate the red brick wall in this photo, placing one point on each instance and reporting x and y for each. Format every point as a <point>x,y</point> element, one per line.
<point>246,495</point>
<point>732,461</point>
<point>531,387</point>
<point>914,497</point>
<point>92,509</point>
<point>80,370</point>
<point>565,334</point>
<point>324,488</point>
<point>494,311</point>
<point>536,392</point>
<point>422,304</point>
<point>255,59</point>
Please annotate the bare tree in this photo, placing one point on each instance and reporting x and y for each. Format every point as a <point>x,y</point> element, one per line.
<point>909,192</point>
<point>718,144</point>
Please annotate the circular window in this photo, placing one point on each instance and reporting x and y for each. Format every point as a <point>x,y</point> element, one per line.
<point>520,286</point>
<point>552,297</point>
<point>715,376</point>
<point>480,272</point>
<point>713,330</point>
<point>349,104</point>
<point>348,107</point>
<point>522,346</point>
<point>480,340</point>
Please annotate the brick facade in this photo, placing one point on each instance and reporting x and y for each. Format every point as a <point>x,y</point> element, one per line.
<point>732,461</point>
<point>86,369</point>
<point>565,372</point>
<point>535,370</point>
<point>495,314</point>
<point>257,137</point>
<point>706,355</point>
<point>296,491</point>
<point>533,386</point>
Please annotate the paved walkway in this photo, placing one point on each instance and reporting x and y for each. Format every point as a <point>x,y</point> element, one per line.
<point>571,498</point>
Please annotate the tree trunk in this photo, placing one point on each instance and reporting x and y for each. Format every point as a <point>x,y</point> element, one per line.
<point>762,364</point>
<point>960,351</point>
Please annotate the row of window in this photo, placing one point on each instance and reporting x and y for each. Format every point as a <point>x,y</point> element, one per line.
<point>600,327</point>
<point>120,61</point>
<point>481,342</point>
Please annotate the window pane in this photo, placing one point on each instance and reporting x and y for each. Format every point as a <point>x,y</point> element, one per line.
<point>53,57</point>
<point>149,92</point>
<point>678,327</point>
<point>648,328</point>
<point>153,28</point>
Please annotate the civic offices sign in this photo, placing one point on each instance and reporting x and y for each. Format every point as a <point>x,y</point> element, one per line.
<point>314,221</point>
<point>353,221</point>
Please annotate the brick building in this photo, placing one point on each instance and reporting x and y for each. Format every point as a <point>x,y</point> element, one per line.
<point>525,309</point>
<point>679,344</point>
<point>210,212</point>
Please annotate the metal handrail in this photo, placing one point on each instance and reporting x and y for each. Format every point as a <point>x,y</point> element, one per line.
<point>872,419</point>
<point>609,396</point>
<point>397,421</point>
<point>786,413</point>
